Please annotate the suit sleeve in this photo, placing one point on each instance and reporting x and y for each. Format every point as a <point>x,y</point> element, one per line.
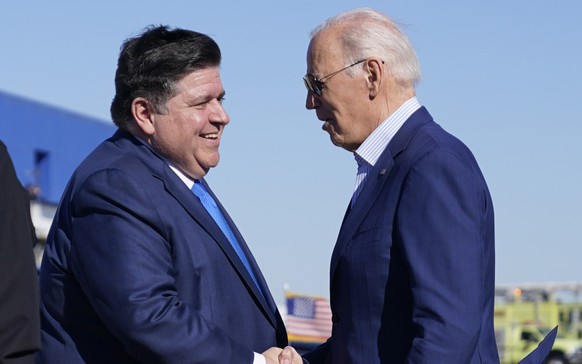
<point>319,354</point>
<point>19,297</point>
<point>123,261</point>
<point>440,222</point>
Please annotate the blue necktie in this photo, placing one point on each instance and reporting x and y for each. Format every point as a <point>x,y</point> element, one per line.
<point>210,206</point>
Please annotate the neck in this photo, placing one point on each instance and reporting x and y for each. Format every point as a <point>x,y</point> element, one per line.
<point>392,101</point>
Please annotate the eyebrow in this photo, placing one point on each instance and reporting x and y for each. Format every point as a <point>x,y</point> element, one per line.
<point>200,99</point>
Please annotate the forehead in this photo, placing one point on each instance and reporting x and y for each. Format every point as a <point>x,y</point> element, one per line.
<point>205,81</point>
<point>324,52</point>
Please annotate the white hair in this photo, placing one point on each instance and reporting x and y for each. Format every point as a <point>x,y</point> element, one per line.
<point>368,33</point>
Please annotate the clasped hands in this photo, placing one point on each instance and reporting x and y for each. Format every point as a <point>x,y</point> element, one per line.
<point>288,355</point>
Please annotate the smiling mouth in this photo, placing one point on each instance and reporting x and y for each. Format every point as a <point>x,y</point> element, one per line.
<point>212,136</point>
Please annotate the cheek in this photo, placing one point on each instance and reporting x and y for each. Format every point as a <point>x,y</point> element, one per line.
<point>190,121</point>
<point>207,158</point>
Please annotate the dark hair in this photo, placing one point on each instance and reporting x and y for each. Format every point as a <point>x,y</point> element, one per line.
<point>151,64</point>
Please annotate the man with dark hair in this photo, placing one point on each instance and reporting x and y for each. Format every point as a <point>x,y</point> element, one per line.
<point>19,318</point>
<point>142,263</point>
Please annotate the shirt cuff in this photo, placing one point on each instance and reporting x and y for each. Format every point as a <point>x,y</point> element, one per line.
<point>259,359</point>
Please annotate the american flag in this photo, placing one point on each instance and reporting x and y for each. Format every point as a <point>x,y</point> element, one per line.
<point>308,318</point>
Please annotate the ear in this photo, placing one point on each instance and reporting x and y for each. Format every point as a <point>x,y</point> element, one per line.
<point>142,111</point>
<point>375,74</point>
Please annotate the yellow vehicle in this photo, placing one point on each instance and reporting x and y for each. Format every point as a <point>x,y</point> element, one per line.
<point>514,342</point>
<point>524,315</point>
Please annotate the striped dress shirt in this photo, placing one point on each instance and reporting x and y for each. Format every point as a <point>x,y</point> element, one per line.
<point>368,153</point>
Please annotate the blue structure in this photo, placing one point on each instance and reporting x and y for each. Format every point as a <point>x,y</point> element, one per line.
<point>47,143</point>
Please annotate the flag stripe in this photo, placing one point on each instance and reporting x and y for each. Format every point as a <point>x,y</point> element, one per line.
<point>308,318</point>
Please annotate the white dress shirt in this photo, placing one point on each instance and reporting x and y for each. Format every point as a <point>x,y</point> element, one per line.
<point>368,153</point>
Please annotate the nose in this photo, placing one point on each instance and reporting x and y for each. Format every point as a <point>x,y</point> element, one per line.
<point>312,101</point>
<point>218,113</point>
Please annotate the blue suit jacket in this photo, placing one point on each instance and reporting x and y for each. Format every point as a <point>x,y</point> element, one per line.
<point>412,272</point>
<point>136,270</point>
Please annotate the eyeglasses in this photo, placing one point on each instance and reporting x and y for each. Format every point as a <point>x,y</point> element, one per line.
<point>316,85</point>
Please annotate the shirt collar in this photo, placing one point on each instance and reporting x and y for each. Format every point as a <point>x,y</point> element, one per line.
<point>375,143</point>
<point>189,182</point>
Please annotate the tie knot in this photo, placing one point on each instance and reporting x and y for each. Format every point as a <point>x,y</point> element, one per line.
<point>203,195</point>
<point>198,189</point>
<point>360,161</point>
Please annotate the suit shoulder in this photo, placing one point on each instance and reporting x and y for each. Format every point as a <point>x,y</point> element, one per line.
<point>123,153</point>
<point>135,161</point>
<point>432,138</point>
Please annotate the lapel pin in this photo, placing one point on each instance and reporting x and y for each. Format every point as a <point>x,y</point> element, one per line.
<point>382,172</point>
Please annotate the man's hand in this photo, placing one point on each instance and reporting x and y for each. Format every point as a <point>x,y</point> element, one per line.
<point>289,356</point>
<point>282,356</point>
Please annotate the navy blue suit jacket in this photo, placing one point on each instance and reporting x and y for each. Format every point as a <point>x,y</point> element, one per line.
<point>136,270</point>
<point>412,272</point>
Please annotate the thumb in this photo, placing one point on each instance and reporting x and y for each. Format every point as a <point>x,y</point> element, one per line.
<point>286,356</point>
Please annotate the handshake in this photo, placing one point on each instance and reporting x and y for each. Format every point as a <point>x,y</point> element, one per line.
<point>288,355</point>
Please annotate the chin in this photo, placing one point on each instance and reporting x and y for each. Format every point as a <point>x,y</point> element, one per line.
<point>211,164</point>
<point>342,145</point>
<point>335,140</point>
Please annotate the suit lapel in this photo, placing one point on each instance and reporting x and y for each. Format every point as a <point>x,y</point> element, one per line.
<point>375,180</point>
<point>356,213</point>
<point>176,188</point>
<point>196,210</point>
<point>265,298</point>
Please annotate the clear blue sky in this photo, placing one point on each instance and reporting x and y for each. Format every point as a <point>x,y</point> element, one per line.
<point>504,76</point>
